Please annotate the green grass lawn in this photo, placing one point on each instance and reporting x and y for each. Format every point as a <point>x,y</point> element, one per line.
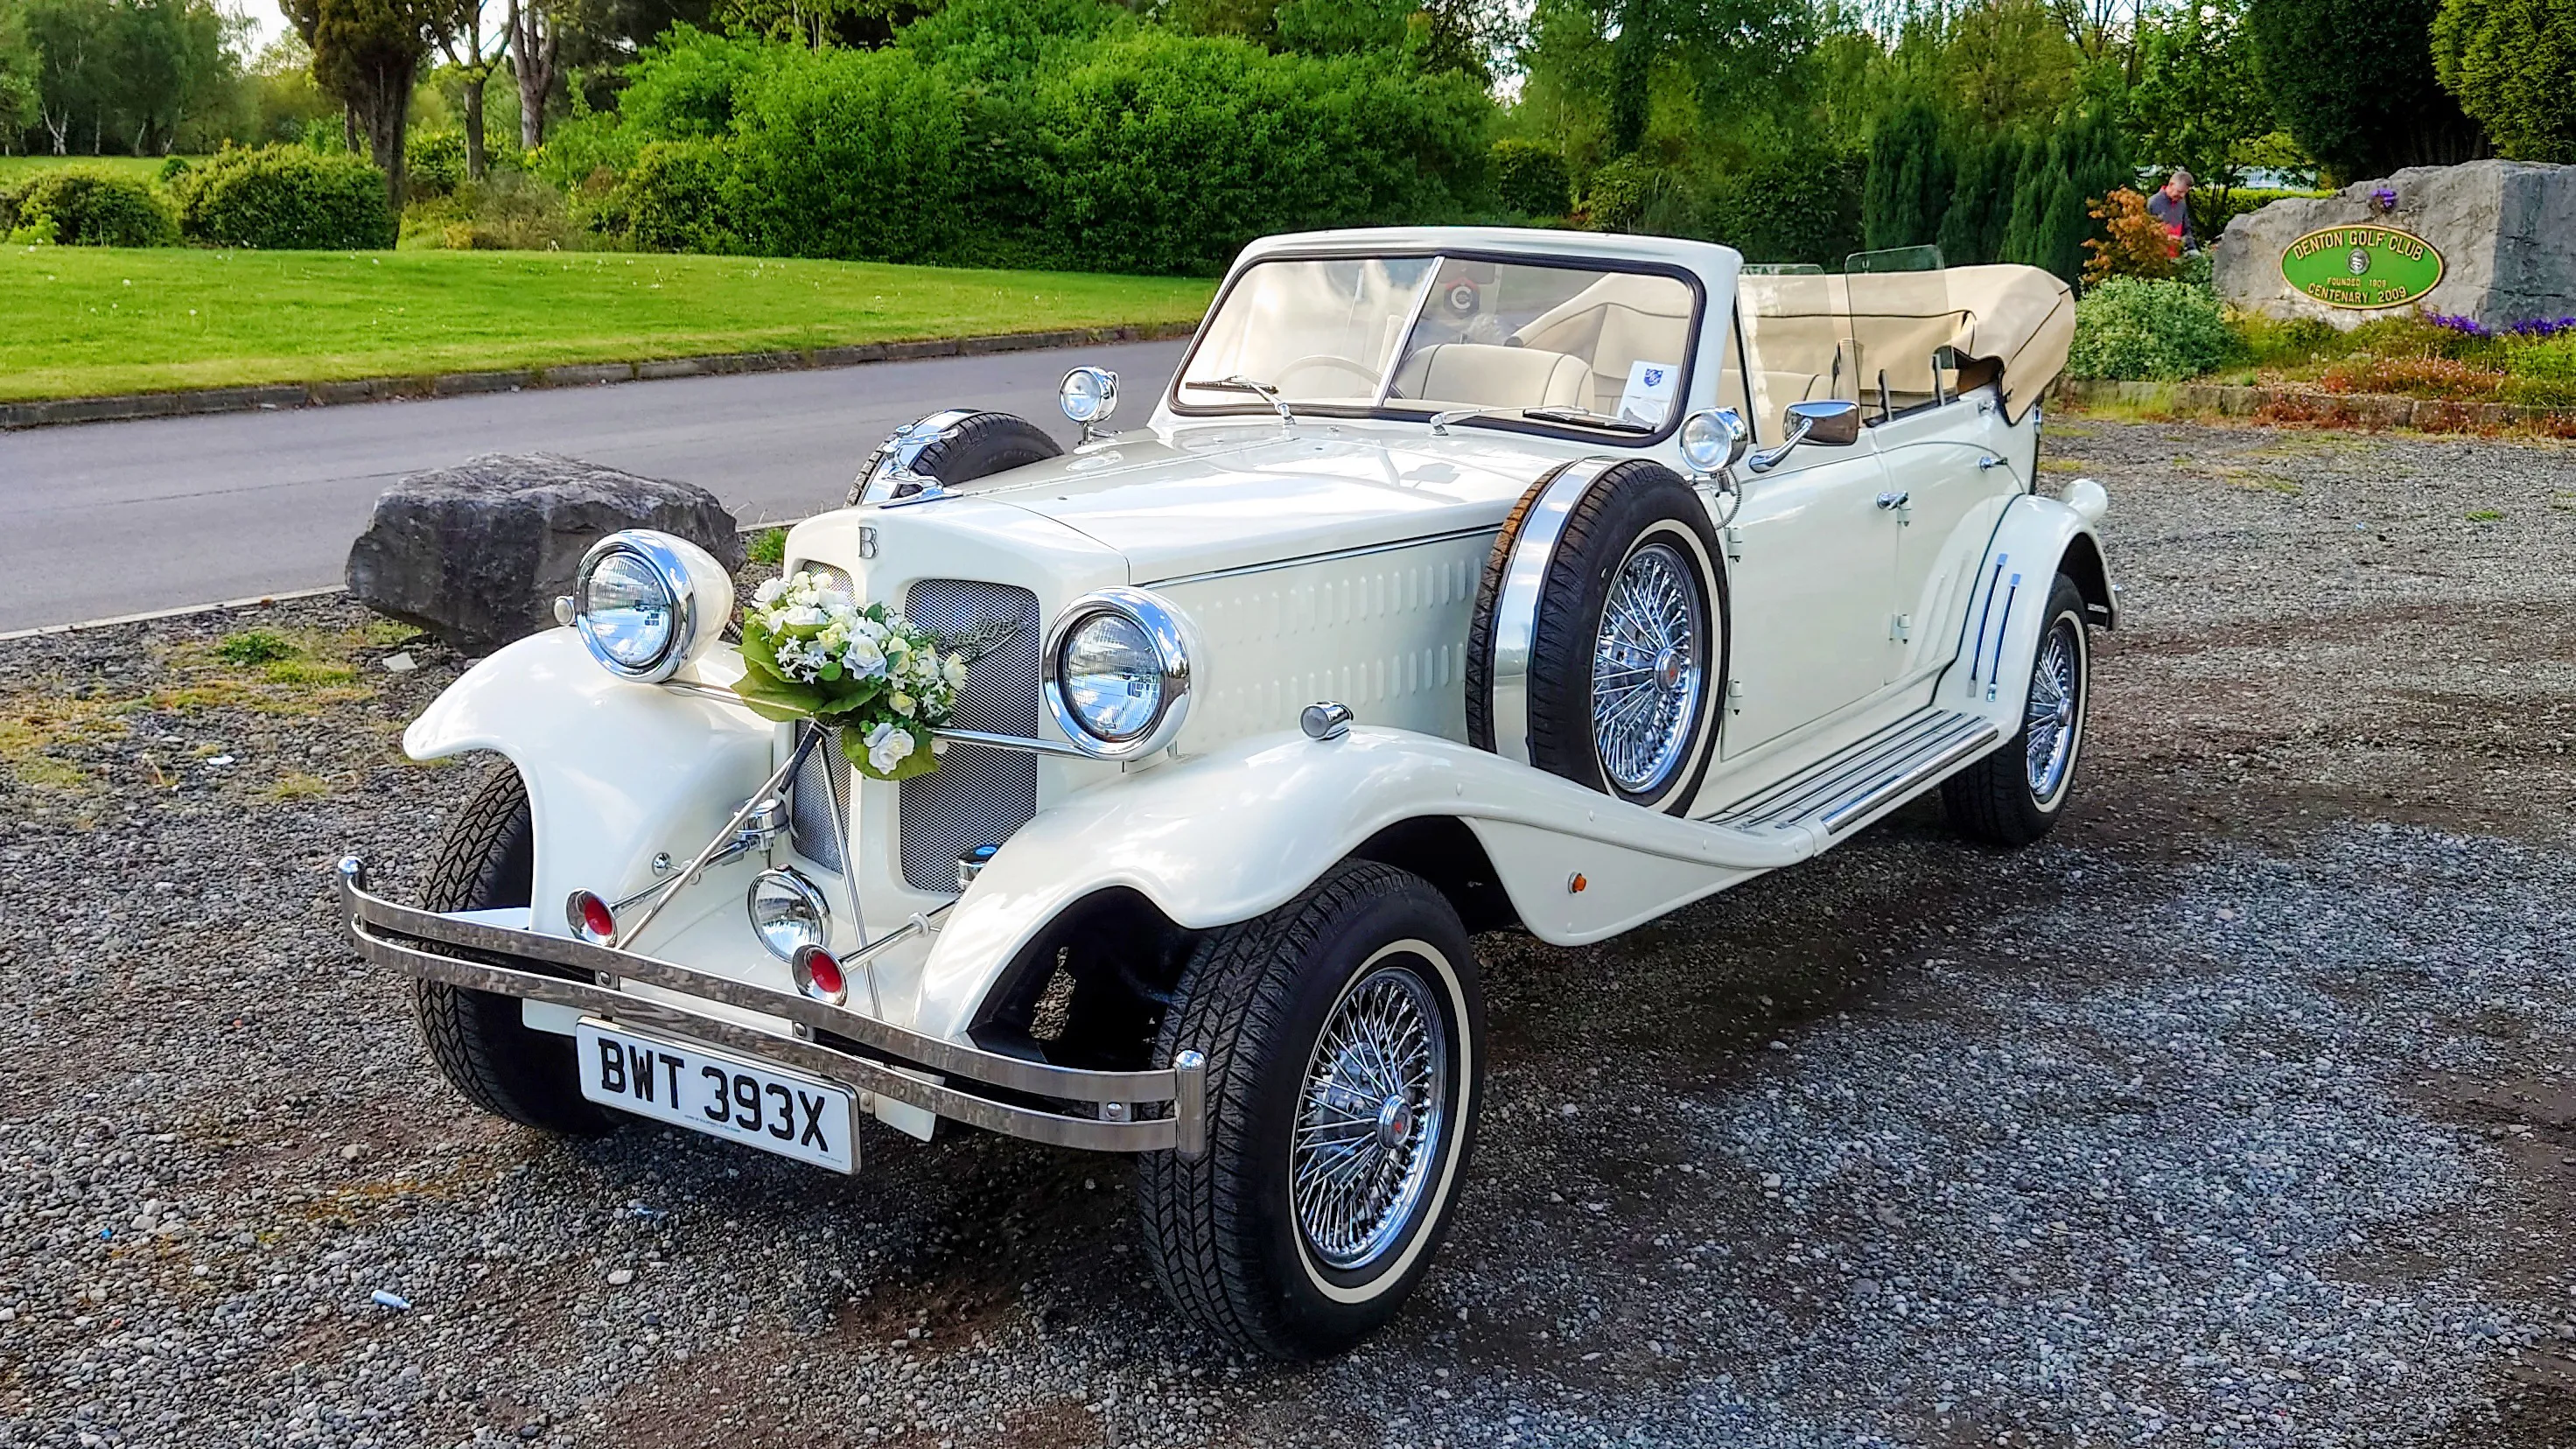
<point>15,169</point>
<point>81,321</point>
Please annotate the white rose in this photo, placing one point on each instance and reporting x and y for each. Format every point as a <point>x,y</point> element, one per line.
<point>888,746</point>
<point>803,616</point>
<point>862,657</point>
<point>902,703</point>
<point>955,672</point>
<point>768,593</point>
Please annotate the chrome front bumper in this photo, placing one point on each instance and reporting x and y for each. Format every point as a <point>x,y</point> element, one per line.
<point>1097,1111</point>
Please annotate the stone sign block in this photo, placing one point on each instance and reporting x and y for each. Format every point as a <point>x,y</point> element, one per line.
<point>2502,235</point>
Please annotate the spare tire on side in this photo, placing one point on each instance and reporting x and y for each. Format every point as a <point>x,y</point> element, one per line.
<point>1598,650</point>
<point>950,449</point>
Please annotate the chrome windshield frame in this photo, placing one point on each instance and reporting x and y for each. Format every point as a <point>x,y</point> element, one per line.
<point>1380,412</point>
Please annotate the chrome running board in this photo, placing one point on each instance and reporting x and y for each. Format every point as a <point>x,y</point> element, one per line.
<point>1852,784</point>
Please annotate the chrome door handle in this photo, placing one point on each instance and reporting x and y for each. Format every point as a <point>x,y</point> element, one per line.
<point>1989,461</point>
<point>1892,501</point>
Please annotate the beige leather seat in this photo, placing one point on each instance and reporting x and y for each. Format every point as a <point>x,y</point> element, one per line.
<point>1480,374</point>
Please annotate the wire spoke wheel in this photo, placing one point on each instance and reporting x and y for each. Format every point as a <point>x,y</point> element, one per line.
<point>1646,669</point>
<point>1370,1118</point>
<point>2050,713</point>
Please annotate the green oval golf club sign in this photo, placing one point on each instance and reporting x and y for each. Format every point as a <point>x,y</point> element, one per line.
<point>2362,265</point>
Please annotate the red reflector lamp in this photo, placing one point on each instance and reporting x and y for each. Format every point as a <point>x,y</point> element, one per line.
<point>818,974</point>
<point>590,918</point>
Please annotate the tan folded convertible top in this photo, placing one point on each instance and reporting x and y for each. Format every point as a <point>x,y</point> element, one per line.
<point>1853,328</point>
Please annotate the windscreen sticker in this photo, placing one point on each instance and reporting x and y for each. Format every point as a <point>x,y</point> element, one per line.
<point>1648,399</point>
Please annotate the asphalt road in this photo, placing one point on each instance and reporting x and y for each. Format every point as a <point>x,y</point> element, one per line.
<point>106,519</point>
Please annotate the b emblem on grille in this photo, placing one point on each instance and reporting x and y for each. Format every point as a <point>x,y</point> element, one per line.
<point>973,644</point>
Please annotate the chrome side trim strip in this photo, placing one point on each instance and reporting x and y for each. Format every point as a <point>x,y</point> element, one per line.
<point>1515,626</point>
<point>1010,742</point>
<point>1924,770</point>
<point>363,909</point>
<point>1274,565</point>
<point>1847,785</point>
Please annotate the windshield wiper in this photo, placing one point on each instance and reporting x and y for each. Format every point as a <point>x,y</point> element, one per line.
<point>1239,383</point>
<point>1585,417</point>
<point>1579,417</point>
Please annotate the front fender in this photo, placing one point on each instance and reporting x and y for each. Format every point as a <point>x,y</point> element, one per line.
<point>1229,835</point>
<point>2037,539</point>
<point>616,771</point>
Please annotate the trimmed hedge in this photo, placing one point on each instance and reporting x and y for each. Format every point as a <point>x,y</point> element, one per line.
<point>286,198</point>
<point>1531,179</point>
<point>86,208</point>
<point>1122,148</point>
<point>2210,219</point>
<point>2141,331</point>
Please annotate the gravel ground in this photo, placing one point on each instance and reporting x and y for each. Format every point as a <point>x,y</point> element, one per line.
<point>2238,1112</point>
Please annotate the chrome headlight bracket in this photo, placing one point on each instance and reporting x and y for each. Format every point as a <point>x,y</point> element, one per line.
<point>669,561</point>
<point>1167,630</point>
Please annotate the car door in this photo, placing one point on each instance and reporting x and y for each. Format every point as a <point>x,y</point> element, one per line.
<point>1811,555</point>
<point>1947,469</point>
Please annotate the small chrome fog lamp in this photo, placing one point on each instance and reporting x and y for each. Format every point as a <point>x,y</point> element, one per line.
<point>788,913</point>
<point>1714,439</point>
<point>1088,395</point>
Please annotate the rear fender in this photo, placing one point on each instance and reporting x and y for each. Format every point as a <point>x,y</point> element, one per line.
<point>2037,539</point>
<point>616,771</point>
<point>1226,836</point>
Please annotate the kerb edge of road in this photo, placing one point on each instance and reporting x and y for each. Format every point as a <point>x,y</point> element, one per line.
<point>279,396</point>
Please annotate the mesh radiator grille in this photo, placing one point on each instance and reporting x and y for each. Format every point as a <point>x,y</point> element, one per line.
<point>825,774</point>
<point>977,796</point>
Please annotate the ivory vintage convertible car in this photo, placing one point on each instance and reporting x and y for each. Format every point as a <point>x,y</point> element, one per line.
<point>1462,580</point>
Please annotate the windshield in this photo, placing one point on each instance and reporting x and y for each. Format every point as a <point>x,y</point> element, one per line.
<point>1560,343</point>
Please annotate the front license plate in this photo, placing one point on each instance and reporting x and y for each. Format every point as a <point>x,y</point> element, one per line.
<point>720,1094</point>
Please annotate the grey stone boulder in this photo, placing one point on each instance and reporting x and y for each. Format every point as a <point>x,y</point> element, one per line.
<point>476,554</point>
<point>2503,228</point>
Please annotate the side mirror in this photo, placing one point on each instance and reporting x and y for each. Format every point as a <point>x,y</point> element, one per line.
<point>1831,422</point>
<point>1714,440</point>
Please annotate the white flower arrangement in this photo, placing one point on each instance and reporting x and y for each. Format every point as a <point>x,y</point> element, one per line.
<point>812,652</point>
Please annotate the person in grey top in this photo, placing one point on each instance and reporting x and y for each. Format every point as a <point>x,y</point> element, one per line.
<point>2169,204</point>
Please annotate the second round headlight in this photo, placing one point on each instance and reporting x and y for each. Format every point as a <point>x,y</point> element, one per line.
<point>1113,682</point>
<point>646,602</point>
<point>1118,673</point>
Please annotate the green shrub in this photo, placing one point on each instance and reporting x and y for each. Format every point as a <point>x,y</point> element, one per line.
<point>683,86</point>
<point>81,207</point>
<point>286,198</point>
<point>2543,373</point>
<point>506,211</point>
<point>255,646</point>
<point>1006,41</point>
<point>1912,180</point>
<point>846,153</point>
<point>1530,179</point>
<point>1802,205</point>
<point>2512,63</point>
<point>434,162</point>
<point>2210,216</point>
<point>1616,193</point>
<point>171,169</point>
<point>586,154</point>
<point>673,199</point>
<point>1166,153</point>
<point>2082,161</point>
<point>2143,331</point>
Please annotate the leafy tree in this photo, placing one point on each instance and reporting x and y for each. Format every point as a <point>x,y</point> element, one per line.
<point>2353,80</point>
<point>533,37</point>
<point>2199,104</point>
<point>1910,179</point>
<point>20,100</point>
<point>1981,201</point>
<point>1530,179</point>
<point>75,45</point>
<point>472,67</point>
<point>367,53</point>
<point>2512,64</point>
<point>2053,195</point>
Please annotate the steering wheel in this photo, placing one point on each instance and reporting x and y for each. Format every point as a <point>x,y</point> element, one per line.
<point>1325,359</point>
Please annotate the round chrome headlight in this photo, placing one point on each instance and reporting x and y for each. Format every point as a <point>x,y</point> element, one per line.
<point>645,603</point>
<point>1118,673</point>
<point>787,912</point>
<point>1088,395</point>
<point>1713,438</point>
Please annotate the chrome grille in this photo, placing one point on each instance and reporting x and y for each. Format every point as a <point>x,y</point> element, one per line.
<point>977,796</point>
<point>824,776</point>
